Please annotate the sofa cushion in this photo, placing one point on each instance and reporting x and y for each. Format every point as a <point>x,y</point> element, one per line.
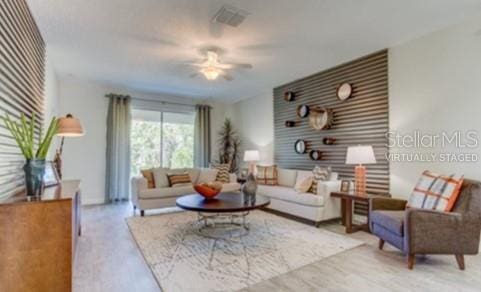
<point>193,173</point>
<point>231,187</point>
<point>390,220</point>
<point>149,176</point>
<point>286,177</point>
<point>222,172</point>
<point>160,193</point>
<point>267,175</point>
<point>160,177</point>
<point>290,195</point>
<point>207,175</point>
<point>179,179</point>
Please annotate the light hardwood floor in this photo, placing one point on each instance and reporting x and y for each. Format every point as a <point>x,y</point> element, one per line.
<point>108,260</point>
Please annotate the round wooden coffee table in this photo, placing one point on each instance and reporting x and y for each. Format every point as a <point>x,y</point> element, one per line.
<point>223,211</point>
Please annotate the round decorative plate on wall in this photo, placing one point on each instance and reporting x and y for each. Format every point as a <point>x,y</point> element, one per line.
<point>303,111</point>
<point>315,155</point>
<point>344,91</point>
<point>320,119</point>
<point>300,146</point>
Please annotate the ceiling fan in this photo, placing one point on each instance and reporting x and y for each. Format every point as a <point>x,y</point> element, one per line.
<point>211,67</point>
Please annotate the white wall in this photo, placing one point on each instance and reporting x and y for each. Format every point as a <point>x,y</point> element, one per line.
<point>84,157</point>
<point>254,120</point>
<point>434,86</point>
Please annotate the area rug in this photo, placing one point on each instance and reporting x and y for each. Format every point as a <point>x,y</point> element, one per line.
<point>181,259</point>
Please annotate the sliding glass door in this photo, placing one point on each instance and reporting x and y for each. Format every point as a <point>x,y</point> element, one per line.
<point>161,139</point>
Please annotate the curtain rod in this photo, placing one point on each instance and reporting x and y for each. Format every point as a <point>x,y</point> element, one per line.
<point>159,101</point>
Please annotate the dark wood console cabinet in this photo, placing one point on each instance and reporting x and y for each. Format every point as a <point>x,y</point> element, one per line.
<point>38,240</point>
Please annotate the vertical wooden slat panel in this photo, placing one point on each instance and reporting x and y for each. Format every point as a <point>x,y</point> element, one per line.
<point>22,66</point>
<point>362,119</point>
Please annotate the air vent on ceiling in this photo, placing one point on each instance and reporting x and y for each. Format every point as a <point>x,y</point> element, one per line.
<point>230,15</point>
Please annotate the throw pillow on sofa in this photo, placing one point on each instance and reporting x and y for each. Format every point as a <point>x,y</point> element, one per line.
<point>179,179</point>
<point>303,181</point>
<point>148,174</point>
<point>320,174</point>
<point>267,175</point>
<point>207,175</point>
<point>223,172</point>
<point>160,177</point>
<point>436,192</point>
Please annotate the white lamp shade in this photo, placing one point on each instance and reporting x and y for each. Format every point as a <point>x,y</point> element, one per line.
<point>251,155</point>
<point>69,127</point>
<point>360,155</point>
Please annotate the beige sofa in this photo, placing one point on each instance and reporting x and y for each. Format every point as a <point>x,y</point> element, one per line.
<point>312,207</point>
<point>144,198</point>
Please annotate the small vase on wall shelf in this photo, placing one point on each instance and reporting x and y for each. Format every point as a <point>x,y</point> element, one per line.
<point>329,141</point>
<point>289,96</point>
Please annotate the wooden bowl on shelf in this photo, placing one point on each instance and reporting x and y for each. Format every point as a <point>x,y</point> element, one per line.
<point>208,190</point>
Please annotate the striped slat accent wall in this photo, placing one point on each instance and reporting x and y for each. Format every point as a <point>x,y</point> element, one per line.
<point>362,119</point>
<point>22,61</point>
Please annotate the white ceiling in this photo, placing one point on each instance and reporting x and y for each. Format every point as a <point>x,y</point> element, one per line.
<point>141,44</point>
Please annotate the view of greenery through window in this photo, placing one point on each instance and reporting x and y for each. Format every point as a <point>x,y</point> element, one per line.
<point>176,133</point>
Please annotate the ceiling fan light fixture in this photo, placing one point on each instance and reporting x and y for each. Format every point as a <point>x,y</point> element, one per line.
<point>211,73</point>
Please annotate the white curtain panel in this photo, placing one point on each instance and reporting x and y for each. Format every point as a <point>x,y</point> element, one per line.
<point>202,145</point>
<point>118,148</point>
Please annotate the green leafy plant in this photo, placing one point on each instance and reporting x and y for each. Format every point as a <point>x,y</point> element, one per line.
<point>23,132</point>
<point>229,144</point>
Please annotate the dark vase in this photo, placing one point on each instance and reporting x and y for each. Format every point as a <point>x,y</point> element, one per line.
<point>34,170</point>
<point>249,189</point>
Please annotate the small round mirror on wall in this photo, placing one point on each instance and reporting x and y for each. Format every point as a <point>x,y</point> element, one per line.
<point>303,111</point>
<point>300,146</point>
<point>344,91</point>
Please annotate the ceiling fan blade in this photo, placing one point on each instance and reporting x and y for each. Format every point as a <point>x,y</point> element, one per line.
<point>235,66</point>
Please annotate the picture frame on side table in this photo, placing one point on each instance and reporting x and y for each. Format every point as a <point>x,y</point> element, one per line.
<point>345,185</point>
<point>50,177</point>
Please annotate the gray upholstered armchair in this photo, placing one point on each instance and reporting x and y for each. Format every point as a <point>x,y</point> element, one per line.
<point>420,231</point>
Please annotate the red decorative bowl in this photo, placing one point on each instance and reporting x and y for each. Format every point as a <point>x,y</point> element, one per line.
<point>208,191</point>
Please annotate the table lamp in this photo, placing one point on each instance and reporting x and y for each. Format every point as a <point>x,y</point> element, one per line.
<point>360,155</point>
<point>68,126</point>
<point>251,156</point>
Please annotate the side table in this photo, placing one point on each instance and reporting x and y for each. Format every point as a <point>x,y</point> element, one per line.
<point>347,198</point>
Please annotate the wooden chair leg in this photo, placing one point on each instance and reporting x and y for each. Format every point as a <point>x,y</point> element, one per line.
<point>460,260</point>
<point>411,259</point>
<point>381,243</point>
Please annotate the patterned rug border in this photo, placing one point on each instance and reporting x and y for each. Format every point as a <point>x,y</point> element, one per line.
<point>171,211</point>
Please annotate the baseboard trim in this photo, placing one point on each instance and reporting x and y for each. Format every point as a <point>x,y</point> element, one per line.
<point>92,201</point>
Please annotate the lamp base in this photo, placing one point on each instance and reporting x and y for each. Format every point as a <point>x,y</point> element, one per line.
<point>360,180</point>
<point>252,168</point>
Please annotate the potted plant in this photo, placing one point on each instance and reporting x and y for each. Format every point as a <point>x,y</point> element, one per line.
<point>229,144</point>
<point>23,132</point>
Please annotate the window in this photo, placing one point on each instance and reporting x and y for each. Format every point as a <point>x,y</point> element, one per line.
<point>161,139</point>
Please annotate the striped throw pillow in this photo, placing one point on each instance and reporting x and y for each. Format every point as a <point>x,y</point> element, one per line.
<point>436,192</point>
<point>267,175</point>
<point>149,176</point>
<point>320,174</point>
<point>179,179</point>
<point>222,172</point>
